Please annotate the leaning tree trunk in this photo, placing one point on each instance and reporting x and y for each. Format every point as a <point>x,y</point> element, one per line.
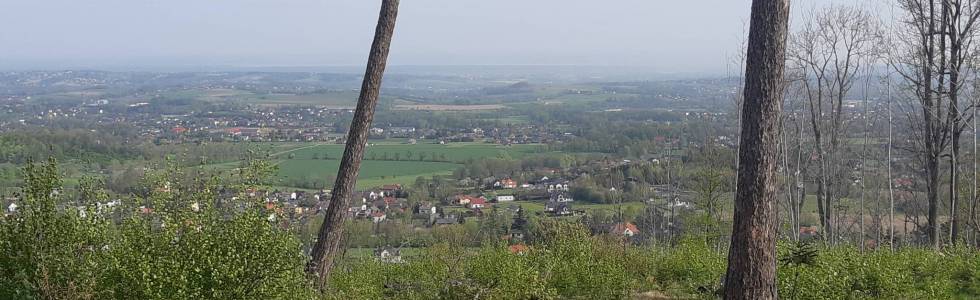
<point>328,241</point>
<point>752,256</point>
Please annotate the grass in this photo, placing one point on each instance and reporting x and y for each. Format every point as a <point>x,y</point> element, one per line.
<point>372,173</point>
<point>452,152</point>
<point>319,162</point>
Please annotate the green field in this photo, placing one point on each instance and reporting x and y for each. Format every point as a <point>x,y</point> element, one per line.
<point>372,173</point>
<point>452,152</point>
<point>386,162</point>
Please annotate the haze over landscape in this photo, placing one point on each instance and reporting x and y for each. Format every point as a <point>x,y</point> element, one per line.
<point>491,149</point>
<point>186,35</point>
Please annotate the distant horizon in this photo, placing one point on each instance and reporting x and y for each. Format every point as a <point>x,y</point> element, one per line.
<point>186,34</point>
<point>692,37</point>
<point>625,71</point>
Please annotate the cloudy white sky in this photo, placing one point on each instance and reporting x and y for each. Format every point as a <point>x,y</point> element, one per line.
<point>665,35</point>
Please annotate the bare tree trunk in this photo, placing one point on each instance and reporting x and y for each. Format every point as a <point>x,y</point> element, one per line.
<point>922,63</point>
<point>752,256</point>
<point>670,196</point>
<point>328,241</point>
<point>891,182</point>
<point>832,46</point>
<point>973,192</point>
<point>864,161</point>
<point>961,30</point>
<point>800,177</point>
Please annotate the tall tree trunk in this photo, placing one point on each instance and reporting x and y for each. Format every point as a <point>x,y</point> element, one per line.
<point>891,182</point>
<point>328,241</point>
<point>973,191</point>
<point>939,146</point>
<point>954,118</point>
<point>752,255</point>
<point>864,162</point>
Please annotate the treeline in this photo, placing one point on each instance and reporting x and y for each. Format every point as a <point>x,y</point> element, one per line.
<point>636,134</point>
<point>514,168</point>
<point>407,156</point>
<point>19,146</point>
<point>102,144</point>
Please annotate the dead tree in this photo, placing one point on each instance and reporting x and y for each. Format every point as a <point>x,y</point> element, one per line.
<point>793,165</point>
<point>917,62</point>
<point>752,256</point>
<point>891,178</point>
<point>960,31</point>
<point>328,242</point>
<point>933,55</point>
<point>833,46</point>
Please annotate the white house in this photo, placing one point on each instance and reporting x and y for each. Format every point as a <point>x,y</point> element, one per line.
<point>505,198</point>
<point>378,217</point>
<point>388,255</point>
<point>625,229</point>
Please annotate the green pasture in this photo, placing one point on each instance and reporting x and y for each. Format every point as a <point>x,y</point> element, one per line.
<point>421,152</point>
<point>385,162</point>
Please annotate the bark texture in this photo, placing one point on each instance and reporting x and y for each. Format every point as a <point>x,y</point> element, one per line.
<point>752,255</point>
<point>328,243</point>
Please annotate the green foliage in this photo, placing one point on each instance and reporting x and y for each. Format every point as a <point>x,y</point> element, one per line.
<point>690,267</point>
<point>570,264</point>
<point>843,272</point>
<point>195,244</point>
<point>47,252</point>
<point>53,249</point>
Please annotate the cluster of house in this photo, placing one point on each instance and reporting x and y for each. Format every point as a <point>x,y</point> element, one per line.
<point>560,204</point>
<point>377,204</point>
<point>279,203</point>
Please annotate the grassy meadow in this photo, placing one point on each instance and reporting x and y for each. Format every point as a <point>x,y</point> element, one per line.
<point>385,162</point>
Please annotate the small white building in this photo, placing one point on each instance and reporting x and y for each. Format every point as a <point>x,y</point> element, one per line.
<point>505,198</point>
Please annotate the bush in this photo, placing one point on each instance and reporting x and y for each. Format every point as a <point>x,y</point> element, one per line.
<point>169,253</point>
<point>59,246</point>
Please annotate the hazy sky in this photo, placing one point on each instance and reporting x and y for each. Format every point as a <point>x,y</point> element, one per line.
<point>666,35</point>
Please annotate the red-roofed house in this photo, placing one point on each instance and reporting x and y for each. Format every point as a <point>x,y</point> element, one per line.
<point>625,229</point>
<point>477,203</point>
<point>506,184</point>
<point>377,216</point>
<point>466,199</point>
<point>808,232</point>
<point>517,249</point>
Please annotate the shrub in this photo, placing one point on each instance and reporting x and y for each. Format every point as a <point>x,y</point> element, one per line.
<point>63,253</point>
